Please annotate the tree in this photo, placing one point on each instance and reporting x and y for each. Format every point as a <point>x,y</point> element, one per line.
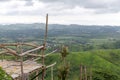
<point>63,69</point>
<point>64,52</point>
<point>117,44</point>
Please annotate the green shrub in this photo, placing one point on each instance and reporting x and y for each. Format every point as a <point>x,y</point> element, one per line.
<point>3,75</point>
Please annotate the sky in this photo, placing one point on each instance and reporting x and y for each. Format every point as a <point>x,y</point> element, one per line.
<point>83,12</point>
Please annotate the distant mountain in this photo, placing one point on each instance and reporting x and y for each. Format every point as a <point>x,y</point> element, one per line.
<point>51,26</point>
<point>36,30</point>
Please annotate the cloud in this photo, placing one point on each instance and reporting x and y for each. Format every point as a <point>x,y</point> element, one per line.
<point>60,11</point>
<point>4,0</point>
<point>29,3</point>
<point>101,6</point>
<point>58,7</point>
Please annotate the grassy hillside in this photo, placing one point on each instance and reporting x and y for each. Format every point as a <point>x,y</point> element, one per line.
<point>105,64</point>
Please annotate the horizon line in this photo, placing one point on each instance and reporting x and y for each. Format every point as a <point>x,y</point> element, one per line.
<point>59,24</point>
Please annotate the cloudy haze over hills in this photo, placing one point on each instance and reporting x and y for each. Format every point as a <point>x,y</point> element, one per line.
<point>87,12</point>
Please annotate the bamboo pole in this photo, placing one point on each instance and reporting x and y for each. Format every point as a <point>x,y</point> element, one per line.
<point>10,51</point>
<point>21,63</point>
<point>43,70</point>
<point>85,72</point>
<point>51,65</point>
<point>16,44</point>
<point>46,30</point>
<point>17,50</point>
<point>45,38</point>
<point>81,68</point>
<point>43,73</point>
<point>27,52</point>
<point>2,57</point>
<point>37,72</point>
<point>37,55</point>
<point>2,52</point>
<point>90,72</point>
<point>50,53</point>
<point>52,73</point>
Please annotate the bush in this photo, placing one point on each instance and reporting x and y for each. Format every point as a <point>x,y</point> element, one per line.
<point>3,75</point>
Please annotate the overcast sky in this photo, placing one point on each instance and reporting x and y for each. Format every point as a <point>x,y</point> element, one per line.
<point>84,12</point>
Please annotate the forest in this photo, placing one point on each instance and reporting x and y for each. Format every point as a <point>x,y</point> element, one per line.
<point>95,47</point>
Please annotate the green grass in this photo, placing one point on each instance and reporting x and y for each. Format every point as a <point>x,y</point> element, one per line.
<point>101,41</point>
<point>104,62</point>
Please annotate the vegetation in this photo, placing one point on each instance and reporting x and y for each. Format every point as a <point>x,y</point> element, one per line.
<point>96,46</point>
<point>63,69</point>
<point>3,75</point>
<point>104,65</point>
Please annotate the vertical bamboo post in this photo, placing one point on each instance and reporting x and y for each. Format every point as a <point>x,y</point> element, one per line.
<point>90,72</point>
<point>45,38</point>
<point>43,68</point>
<point>37,78</point>
<point>43,73</point>
<point>42,56</point>
<point>52,73</point>
<point>21,64</point>
<point>46,30</point>
<point>1,55</point>
<point>17,49</point>
<point>81,72</point>
<point>85,72</point>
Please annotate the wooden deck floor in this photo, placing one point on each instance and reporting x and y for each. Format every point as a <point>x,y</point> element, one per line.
<point>13,68</point>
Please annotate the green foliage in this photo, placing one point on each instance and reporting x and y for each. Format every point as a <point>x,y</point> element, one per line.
<point>64,51</point>
<point>63,71</point>
<point>104,75</point>
<point>105,63</point>
<point>117,44</point>
<point>3,75</point>
<point>112,45</point>
<point>77,38</point>
<point>63,68</point>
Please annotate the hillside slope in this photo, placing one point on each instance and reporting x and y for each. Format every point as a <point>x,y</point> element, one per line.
<point>105,64</point>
